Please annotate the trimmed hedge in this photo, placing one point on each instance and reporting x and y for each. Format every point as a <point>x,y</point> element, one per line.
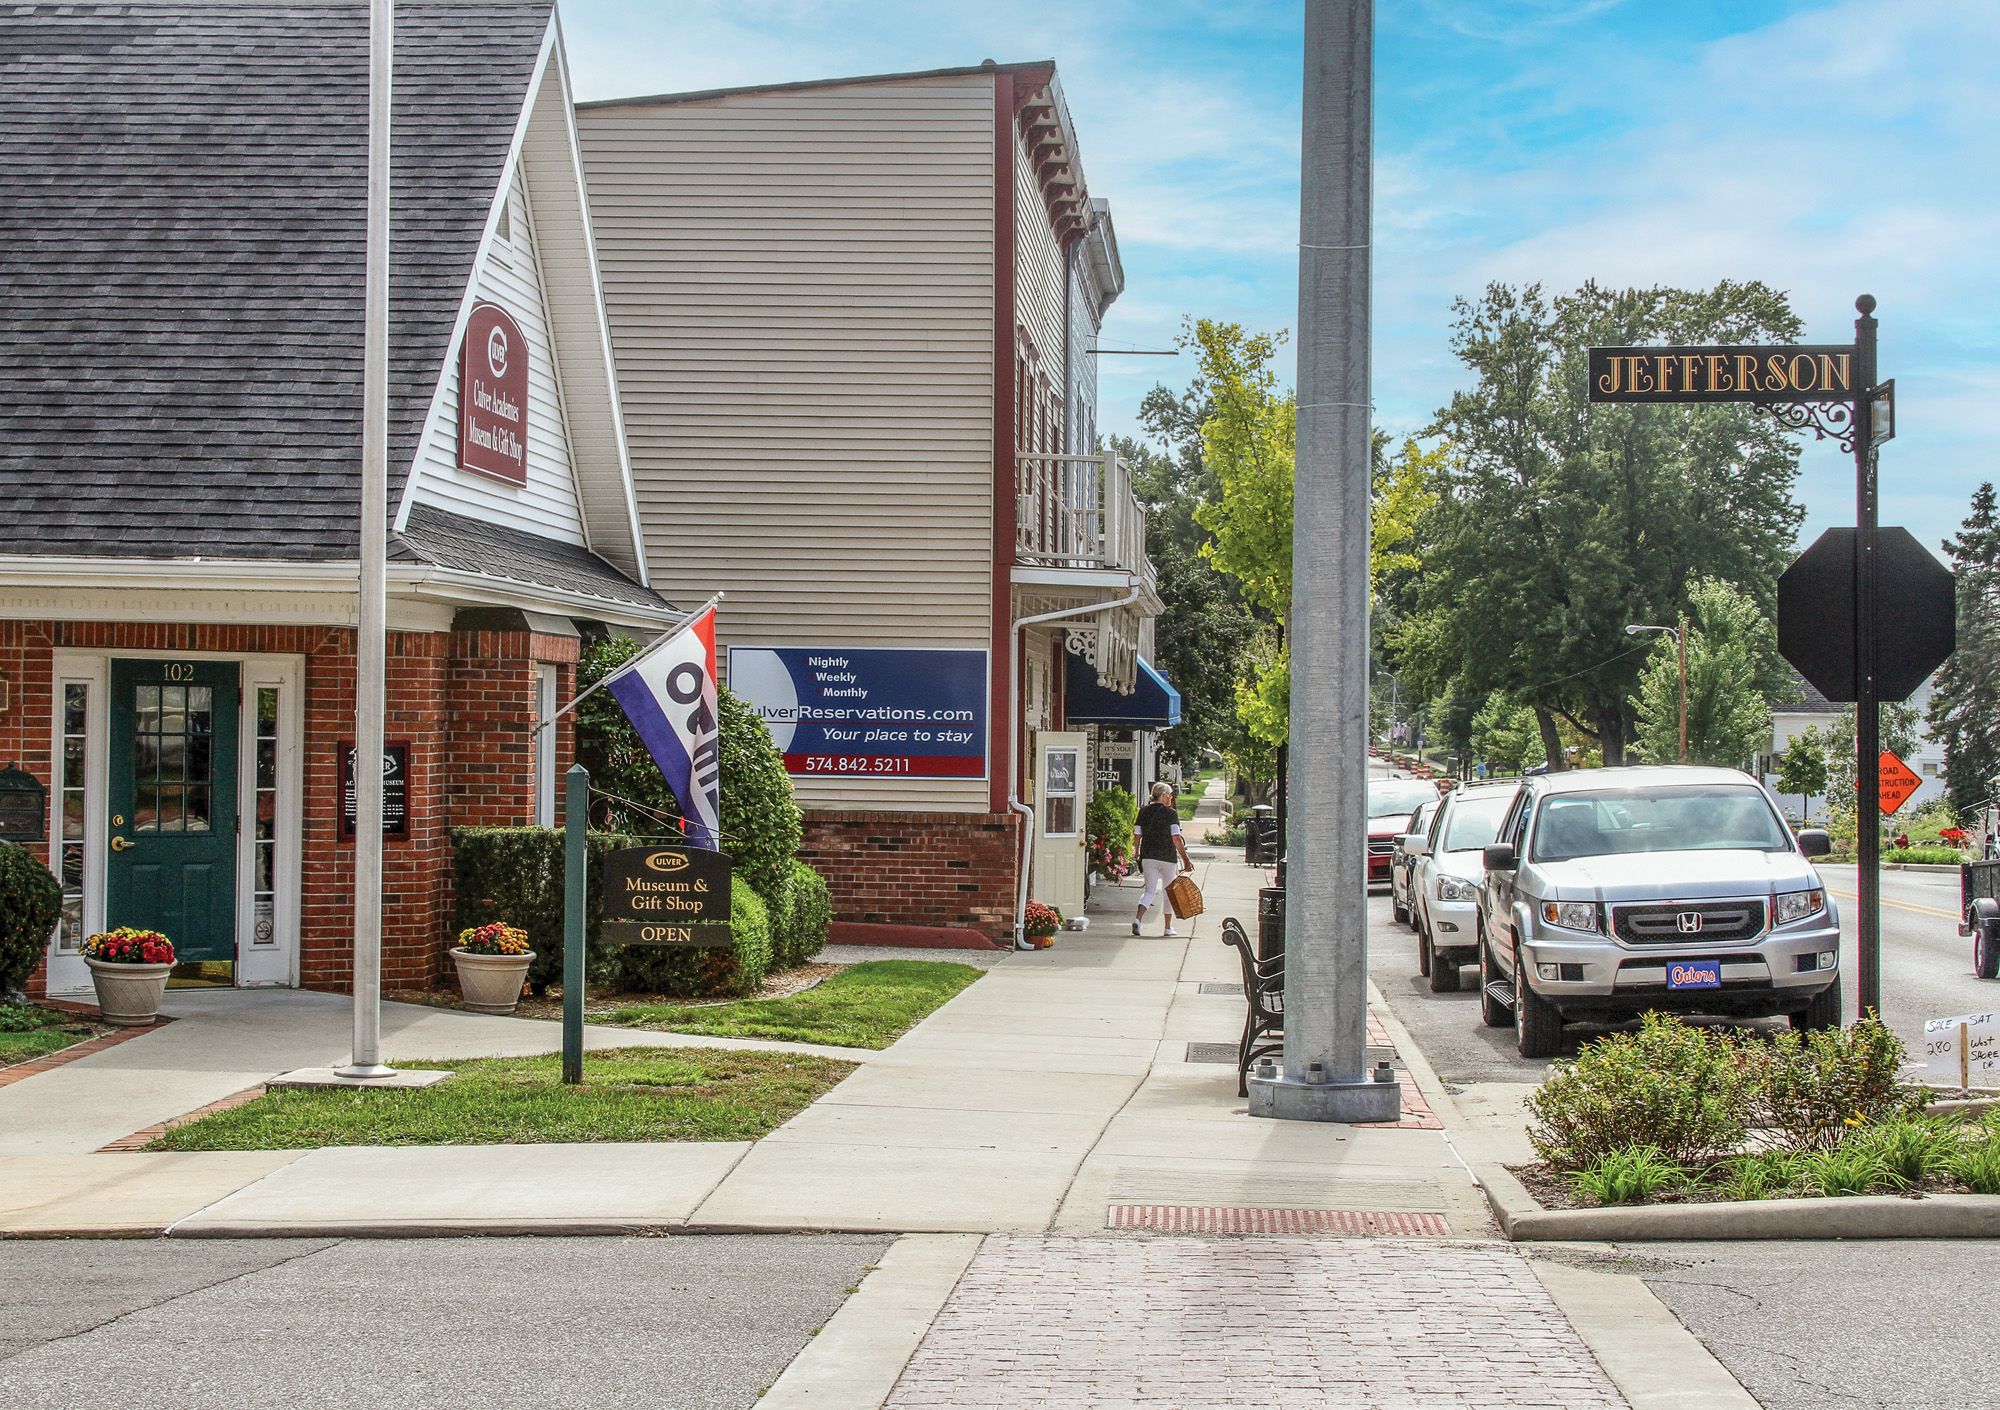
<point>801,914</point>
<point>736,969</point>
<point>515,874</point>
<point>30,906</point>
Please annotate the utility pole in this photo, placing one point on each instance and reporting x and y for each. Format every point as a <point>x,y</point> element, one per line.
<point>1325,1076</point>
<point>1867,711</point>
<point>371,617</point>
<point>1681,641</point>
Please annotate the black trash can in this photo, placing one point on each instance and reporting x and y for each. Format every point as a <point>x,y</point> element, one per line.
<point>1270,922</point>
<point>1260,836</point>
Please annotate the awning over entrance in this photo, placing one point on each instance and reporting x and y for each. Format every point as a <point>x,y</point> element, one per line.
<point>1153,704</point>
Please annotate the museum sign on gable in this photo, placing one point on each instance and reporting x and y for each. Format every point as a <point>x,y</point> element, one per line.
<point>493,396</point>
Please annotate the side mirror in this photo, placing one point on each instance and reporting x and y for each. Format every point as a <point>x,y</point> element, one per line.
<point>1499,856</point>
<point>1415,844</point>
<point>1814,842</point>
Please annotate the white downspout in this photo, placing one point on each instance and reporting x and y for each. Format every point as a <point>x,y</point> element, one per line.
<point>1014,803</point>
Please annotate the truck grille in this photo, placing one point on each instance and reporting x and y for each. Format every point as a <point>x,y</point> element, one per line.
<point>1660,923</point>
<point>1381,846</point>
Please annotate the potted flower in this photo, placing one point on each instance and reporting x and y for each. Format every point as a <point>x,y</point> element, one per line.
<point>130,968</point>
<point>493,962</point>
<point>1040,924</point>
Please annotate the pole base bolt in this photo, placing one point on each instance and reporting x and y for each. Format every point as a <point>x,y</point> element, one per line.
<point>1384,1073</point>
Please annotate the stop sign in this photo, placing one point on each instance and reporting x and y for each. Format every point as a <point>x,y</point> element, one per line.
<point>1916,614</point>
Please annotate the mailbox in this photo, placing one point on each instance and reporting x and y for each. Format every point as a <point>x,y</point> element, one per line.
<point>24,806</point>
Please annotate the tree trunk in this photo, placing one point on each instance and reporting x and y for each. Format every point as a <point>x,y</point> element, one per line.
<point>1611,735</point>
<point>1552,744</point>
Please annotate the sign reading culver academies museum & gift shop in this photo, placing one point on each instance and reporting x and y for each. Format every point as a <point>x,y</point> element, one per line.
<point>665,896</point>
<point>493,396</point>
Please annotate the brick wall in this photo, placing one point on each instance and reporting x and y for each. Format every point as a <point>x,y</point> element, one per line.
<point>464,701</point>
<point>930,869</point>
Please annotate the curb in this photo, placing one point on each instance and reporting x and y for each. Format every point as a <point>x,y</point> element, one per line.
<point>1941,867</point>
<point>1523,1220</point>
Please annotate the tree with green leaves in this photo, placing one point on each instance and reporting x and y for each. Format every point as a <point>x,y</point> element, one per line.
<point>1729,717</point>
<point>1561,522</point>
<point>1505,736</point>
<point>1964,710</point>
<point>1898,735</point>
<point>1802,768</point>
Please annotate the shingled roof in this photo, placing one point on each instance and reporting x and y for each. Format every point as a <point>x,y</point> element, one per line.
<point>181,251</point>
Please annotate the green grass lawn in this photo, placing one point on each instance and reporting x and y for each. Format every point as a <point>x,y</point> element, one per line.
<point>628,1094</point>
<point>30,1032</point>
<point>866,1005</point>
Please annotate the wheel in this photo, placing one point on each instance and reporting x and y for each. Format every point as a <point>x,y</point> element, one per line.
<point>1423,953</point>
<point>1822,1012</point>
<point>1396,908</point>
<point>1492,1012</point>
<point>1986,952</point>
<point>1443,972</point>
<point>1538,1028</point>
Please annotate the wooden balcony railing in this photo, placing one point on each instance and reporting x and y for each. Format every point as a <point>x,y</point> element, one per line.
<point>1079,511</point>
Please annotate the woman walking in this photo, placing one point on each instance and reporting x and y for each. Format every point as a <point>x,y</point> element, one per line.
<point>1162,852</point>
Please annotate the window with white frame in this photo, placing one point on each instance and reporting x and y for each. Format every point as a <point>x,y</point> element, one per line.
<point>264,835</point>
<point>545,747</point>
<point>71,785</point>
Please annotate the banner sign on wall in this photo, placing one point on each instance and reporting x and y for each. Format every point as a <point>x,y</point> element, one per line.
<point>493,396</point>
<point>866,711</point>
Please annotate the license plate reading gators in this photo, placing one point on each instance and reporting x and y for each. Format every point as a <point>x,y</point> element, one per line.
<point>1694,974</point>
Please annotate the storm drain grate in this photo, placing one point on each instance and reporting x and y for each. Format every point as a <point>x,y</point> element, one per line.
<point>1212,1052</point>
<point>1217,986</point>
<point>1228,1219</point>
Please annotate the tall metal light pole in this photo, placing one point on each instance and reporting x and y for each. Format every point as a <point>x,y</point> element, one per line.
<point>1325,1077</point>
<point>1680,636</point>
<point>371,620</point>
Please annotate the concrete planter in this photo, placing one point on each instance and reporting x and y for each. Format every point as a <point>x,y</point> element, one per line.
<point>491,983</point>
<point>129,994</point>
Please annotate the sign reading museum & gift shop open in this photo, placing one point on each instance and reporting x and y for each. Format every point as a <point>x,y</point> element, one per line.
<point>665,896</point>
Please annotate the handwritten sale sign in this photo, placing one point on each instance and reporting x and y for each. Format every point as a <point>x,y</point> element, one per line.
<point>1963,1051</point>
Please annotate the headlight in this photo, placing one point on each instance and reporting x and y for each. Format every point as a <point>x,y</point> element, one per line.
<point>1571,915</point>
<point>1797,905</point>
<point>1450,888</point>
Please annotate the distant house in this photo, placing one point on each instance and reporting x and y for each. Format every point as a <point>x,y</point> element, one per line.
<point>856,323</point>
<point>181,270</point>
<point>1812,709</point>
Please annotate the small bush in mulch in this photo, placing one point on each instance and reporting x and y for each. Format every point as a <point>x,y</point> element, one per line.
<point>1676,1113</point>
<point>29,1031</point>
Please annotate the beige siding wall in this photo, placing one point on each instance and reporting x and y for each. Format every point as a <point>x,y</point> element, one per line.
<point>510,275</point>
<point>800,287</point>
<point>1038,275</point>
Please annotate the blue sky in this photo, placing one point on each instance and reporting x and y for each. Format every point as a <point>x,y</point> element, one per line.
<point>1827,149</point>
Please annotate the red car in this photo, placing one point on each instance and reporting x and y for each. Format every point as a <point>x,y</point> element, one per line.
<point>1390,803</point>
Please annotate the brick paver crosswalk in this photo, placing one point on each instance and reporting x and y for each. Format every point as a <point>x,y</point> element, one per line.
<point>1277,1324</point>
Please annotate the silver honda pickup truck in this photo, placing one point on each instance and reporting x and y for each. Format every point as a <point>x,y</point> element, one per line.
<point>1608,892</point>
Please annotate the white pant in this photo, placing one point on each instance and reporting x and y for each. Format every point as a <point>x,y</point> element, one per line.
<point>1157,875</point>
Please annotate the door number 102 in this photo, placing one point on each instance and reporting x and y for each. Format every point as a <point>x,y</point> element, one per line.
<point>177,671</point>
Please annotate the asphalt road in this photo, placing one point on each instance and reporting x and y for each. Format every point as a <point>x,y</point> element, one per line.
<point>1831,1326</point>
<point>1926,973</point>
<point>587,1324</point>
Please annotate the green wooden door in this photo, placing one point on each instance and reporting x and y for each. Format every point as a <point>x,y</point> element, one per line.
<point>171,866</point>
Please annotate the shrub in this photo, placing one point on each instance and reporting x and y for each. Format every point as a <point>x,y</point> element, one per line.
<point>1108,822</point>
<point>26,1018</point>
<point>1848,1170</point>
<point>1762,1175</point>
<point>761,824</point>
<point>1813,1088</point>
<point>515,874</point>
<point>1977,1166</point>
<point>736,968</point>
<point>1626,1176</point>
<point>1912,1148</point>
<point>30,906</point>
<point>1678,1089</point>
<point>801,915</point>
<point>1929,856</point>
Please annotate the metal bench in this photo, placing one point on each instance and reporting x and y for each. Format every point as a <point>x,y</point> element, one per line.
<point>1264,1003</point>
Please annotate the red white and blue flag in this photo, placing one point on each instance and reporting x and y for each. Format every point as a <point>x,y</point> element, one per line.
<point>669,696</point>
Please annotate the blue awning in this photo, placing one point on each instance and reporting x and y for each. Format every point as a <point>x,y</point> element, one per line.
<point>1153,704</point>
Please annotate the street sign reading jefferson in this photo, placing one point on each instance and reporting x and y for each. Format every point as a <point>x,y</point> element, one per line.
<point>1807,373</point>
<point>675,896</point>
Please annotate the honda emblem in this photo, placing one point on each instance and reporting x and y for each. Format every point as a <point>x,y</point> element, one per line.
<point>1688,922</point>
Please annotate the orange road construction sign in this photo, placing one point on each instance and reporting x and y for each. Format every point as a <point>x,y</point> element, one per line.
<point>1899,781</point>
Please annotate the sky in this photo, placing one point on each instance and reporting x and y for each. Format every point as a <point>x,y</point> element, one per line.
<point>1826,149</point>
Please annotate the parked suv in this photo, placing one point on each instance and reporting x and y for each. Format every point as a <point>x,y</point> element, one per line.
<point>1612,891</point>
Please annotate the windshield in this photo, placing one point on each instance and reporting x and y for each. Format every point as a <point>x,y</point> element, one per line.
<point>1474,820</point>
<point>1398,797</point>
<point>1692,819</point>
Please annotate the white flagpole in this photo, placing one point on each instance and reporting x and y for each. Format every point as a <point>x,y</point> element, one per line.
<point>371,621</point>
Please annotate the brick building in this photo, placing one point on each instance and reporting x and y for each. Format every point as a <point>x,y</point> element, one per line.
<point>180,408</point>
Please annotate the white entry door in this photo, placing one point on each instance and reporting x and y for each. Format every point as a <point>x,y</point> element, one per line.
<point>1061,794</point>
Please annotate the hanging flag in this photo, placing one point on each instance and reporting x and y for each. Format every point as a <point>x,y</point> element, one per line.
<point>669,696</point>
